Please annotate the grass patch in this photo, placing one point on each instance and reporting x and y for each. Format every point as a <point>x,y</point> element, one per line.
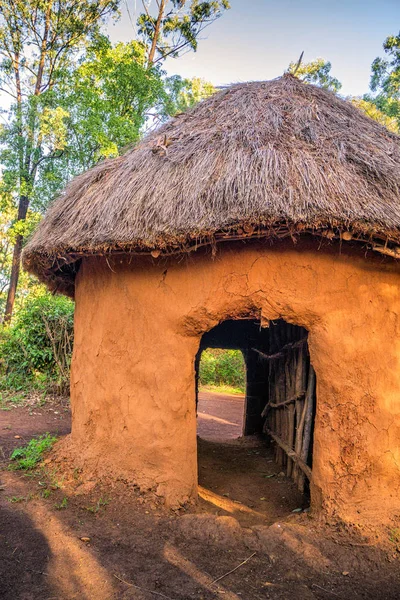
<point>99,504</point>
<point>394,536</point>
<point>29,456</point>
<point>222,389</point>
<point>63,504</point>
<point>11,399</point>
<point>16,499</point>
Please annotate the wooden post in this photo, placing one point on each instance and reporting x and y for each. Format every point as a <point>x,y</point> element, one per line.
<point>300,416</point>
<point>291,435</point>
<point>298,406</point>
<point>291,392</point>
<point>309,414</point>
<point>303,444</point>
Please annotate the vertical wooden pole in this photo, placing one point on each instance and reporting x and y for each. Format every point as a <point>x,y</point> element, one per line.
<point>292,365</point>
<point>298,405</point>
<point>291,436</point>
<point>309,414</point>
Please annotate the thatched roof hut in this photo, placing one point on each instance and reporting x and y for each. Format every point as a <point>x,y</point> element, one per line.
<point>316,320</point>
<point>263,159</point>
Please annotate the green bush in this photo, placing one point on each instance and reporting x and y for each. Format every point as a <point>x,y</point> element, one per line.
<point>223,368</point>
<point>35,349</point>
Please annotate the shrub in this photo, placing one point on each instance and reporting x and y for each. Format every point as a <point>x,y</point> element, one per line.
<point>35,349</point>
<point>223,368</point>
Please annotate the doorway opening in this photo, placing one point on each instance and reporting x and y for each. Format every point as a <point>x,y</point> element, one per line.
<point>268,466</point>
<point>221,394</point>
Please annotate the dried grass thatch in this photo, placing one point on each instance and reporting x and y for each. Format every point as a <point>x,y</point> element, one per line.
<point>256,159</point>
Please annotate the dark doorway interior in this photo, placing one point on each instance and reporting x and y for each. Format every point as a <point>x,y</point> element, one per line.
<point>280,397</point>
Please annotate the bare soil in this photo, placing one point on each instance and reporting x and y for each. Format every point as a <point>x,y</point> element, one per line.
<point>219,416</point>
<point>64,538</point>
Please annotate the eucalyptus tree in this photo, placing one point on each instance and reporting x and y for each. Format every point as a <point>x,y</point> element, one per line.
<point>317,72</point>
<point>39,40</point>
<point>170,27</point>
<point>385,79</point>
<point>75,98</point>
<point>104,103</point>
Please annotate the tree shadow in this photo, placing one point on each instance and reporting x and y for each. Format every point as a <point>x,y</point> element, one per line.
<point>24,557</point>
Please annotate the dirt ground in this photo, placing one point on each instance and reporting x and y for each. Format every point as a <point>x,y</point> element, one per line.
<point>64,539</point>
<point>219,416</point>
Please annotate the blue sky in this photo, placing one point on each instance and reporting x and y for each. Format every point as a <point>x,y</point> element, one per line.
<point>257,39</point>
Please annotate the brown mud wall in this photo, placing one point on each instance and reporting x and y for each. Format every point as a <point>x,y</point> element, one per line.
<point>138,326</point>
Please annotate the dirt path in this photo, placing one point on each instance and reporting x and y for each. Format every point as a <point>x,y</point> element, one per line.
<point>219,416</point>
<point>97,542</point>
<point>19,425</point>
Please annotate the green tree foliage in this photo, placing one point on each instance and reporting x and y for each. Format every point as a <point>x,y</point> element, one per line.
<point>385,80</point>
<point>223,368</point>
<point>317,72</point>
<point>182,93</point>
<point>6,243</point>
<point>111,95</point>
<point>35,350</point>
<point>39,39</point>
<point>386,71</point>
<point>10,228</point>
<point>370,108</point>
<point>175,25</point>
<point>105,103</point>
<point>76,99</point>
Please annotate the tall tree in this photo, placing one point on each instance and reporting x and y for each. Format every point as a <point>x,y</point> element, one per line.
<point>385,80</point>
<point>38,40</point>
<point>103,106</point>
<point>82,99</point>
<point>182,93</point>
<point>174,26</point>
<point>317,72</point>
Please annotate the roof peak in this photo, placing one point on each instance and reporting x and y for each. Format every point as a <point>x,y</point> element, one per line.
<point>250,160</point>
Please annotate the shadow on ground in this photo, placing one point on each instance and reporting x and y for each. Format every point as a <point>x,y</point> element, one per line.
<point>24,557</point>
<point>96,541</point>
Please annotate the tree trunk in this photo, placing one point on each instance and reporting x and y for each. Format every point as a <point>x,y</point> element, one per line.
<point>16,262</point>
<point>157,28</point>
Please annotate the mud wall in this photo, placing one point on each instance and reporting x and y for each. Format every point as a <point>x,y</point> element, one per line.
<point>138,328</point>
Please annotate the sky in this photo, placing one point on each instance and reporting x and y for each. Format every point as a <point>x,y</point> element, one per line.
<point>256,39</point>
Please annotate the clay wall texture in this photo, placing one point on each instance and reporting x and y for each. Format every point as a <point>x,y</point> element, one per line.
<point>138,326</point>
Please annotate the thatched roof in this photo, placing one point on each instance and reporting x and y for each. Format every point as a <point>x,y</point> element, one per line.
<point>260,159</point>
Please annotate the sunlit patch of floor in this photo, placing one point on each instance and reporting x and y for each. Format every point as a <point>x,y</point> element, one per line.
<point>215,419</point>
<point>225,504</point>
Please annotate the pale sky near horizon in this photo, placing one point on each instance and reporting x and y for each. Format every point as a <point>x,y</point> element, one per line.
<point>256,39</point>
